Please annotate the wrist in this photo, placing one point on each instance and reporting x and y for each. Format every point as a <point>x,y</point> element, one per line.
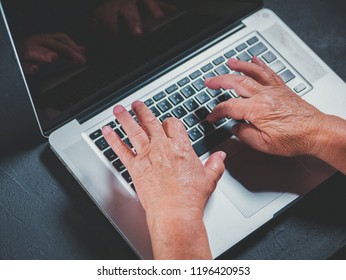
<point>329,144</point>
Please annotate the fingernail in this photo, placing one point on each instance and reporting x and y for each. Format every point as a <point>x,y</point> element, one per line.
<point>118,109</point>
<point>136,104</point>
<point>223,155</point>
<point>106,130</point>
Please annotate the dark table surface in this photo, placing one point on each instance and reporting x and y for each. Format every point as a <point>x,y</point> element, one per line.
<point>44,213</point>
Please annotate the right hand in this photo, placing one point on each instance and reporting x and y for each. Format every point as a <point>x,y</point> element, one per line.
<point>43,49</point>
<point>281,122</point>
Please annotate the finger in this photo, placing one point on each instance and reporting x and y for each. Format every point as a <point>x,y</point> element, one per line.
<point>136,134</point>
<point>154,9</point>
<point>125,154</point>
<point>60,47</point>
<point>64,38</point>
<point>250,135</point>
<point>131,14</point>
<point>237,109</point>
<point>148,121</point>
<point>243,85</point>
<point>215,167</point>
<point>29,68</point>
<point>256,70</point>
<point>175,129</point>
<point>40,54</point>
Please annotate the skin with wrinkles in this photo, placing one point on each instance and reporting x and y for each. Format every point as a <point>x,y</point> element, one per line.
<point>174,186</point>
<point>172,183</point>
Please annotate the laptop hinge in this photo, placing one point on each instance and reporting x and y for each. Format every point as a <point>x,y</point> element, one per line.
<point>157,73</point>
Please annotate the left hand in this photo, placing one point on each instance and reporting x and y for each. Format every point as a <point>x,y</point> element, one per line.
<point>170,180</point>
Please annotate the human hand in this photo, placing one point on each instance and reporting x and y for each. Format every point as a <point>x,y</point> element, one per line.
<point>171,182</point>
<point>281,122</point>
<point>107,14</point>
<point>41,49</point>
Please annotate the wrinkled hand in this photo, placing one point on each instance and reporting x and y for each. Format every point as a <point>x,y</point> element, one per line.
<point>38,50</point>
<point>107,14</point>
<point>280,122</point>
<point>171,182</point>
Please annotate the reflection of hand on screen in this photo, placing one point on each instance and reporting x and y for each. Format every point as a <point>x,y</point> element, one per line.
<point>107,14</point>
<point>43,49</point>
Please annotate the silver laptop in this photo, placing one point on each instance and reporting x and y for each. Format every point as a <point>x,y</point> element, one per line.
<point>165,67</point>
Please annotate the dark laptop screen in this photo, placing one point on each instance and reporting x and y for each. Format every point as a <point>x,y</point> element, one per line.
<point>75,53</point>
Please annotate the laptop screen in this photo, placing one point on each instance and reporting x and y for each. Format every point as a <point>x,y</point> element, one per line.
<point>76,53</point>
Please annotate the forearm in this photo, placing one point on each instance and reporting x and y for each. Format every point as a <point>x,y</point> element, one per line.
<point>330,143</point>
<point>178,238</point>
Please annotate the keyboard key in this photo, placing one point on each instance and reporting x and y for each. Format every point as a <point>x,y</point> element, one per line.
<point>149,102</point>
<point>211,105</point>
<point>126,176</point>
<point>166,116</point>
<point>226,96</point>
<point>220,122</point>
<point>159,96</point>
<point>155,111</point>
<point>209,75</point>
<point>128,143</point>
<point>230,53</point>
<point>207,67</point>
<point>164,105</point>
<point>111,125</point>
<point>119,166</point>
<point>131,113</point>
<point>214,92</point>
<point>120,134</point>
<point>211,140</point>
<point>110,155</point>
<point>269,57</point>
<point>95,134</point>
<point>184,81</point>
<point>179,112</point>
<point>222,70</point>
<point>299,88</point>
<point>202,113</point>
<point>191,105</point>
<point>244,57</point>
<point>199,84</point>
<point>176,98</point>
<point>202,97</point>
<point>241,47</point>
<point>195,134</point>
<point>102,144</point>
<point>171,89</point>
<point>195,74</point>
<point>206,127</point>
<point>257,49</point>
<point>219,60</point>
<point>191,120</point>
<point>133,186</point>
<point>277,66</point>
<point>188,91</point>
<point>287,76</point>
<point>252,41</point>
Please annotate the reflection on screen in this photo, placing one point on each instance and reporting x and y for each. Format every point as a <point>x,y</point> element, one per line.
<point>75,53</point>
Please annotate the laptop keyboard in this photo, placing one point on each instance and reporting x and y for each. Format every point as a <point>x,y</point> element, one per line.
<point>189,100</point>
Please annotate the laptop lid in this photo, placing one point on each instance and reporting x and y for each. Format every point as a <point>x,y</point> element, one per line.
<point>79,55</point>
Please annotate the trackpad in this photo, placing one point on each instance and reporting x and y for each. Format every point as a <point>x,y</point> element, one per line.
<point>253,179</point>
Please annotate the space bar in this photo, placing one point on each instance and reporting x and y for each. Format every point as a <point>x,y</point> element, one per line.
<point>213,139</point>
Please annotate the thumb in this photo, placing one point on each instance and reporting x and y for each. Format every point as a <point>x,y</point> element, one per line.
<point>249,134</point>
<point>215,167</point>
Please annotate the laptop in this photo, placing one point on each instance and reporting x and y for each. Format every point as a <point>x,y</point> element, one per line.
<point>165,67</point>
